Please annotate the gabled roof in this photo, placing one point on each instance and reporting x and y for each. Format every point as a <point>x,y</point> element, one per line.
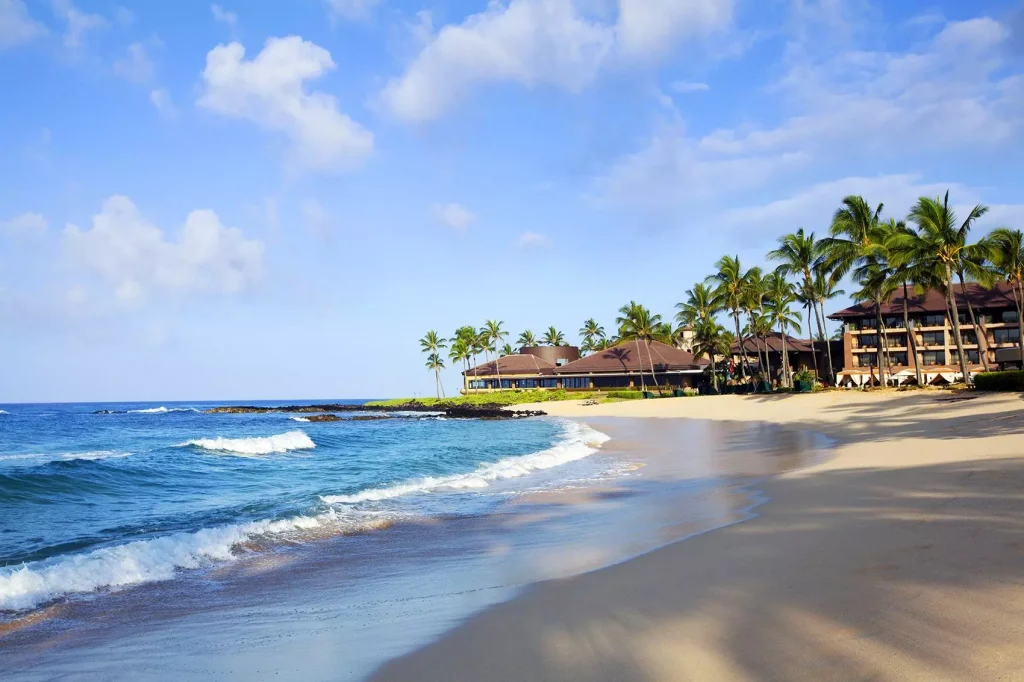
<point>512,365</point>
<point>793,345</point>
<point>934,301</point>
<point>629,356</point>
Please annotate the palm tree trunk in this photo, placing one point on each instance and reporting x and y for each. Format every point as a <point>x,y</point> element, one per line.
<point>767,363</point>
<point>440,383</point>
<point>956,325</point>
<point>814,353</point>
<point>714,371</point>
<point>640,359</point>
<point>821,336</point>
<point>787,376</point>
<point>744,369</point>
<point>650,357</point>
<point>979,336</point>
<point>828,343</point>
<point>911,342</point>
<point>879,352</point>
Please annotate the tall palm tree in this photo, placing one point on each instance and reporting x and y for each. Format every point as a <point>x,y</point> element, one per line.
<point>940,241</point>
<point>800,255</point>
<point>494,335</point>
<point>731,283</point>
<point>753,303</point>
<point>591,332</point>
<point>433,344</point>
<point>702,303</point>
<point>460,351</point>
<point>974,266</point>
<point>711,339</point>
<point>527,339</point>
<point>553,337</point>
<point>825,289</point>
<point>854,228</point>
<point>781,296</point>
<point>903,275</point>
<point>875,276</point>
<point>637,322</point>
<point>1006,249</point>
<point>507,350</point>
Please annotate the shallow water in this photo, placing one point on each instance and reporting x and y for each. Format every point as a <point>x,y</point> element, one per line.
<point>316,604</point>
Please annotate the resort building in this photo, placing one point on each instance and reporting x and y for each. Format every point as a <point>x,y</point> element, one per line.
<point>799,351</point>
<point>929,343</point>
<point>617,367</point>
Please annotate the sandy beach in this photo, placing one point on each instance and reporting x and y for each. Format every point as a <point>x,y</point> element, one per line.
<point>900,558</point>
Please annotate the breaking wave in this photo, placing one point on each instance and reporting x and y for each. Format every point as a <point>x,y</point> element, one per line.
<point>299,419</point>
<point>163,410</point>
<point>580,441</point>
<point>265,445</point>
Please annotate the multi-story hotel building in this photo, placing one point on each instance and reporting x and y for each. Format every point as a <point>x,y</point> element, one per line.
<point>929,343</point>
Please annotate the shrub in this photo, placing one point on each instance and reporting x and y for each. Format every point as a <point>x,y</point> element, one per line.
<point>691,392</point>
<point>804,375</point>
<point>1012,380</point>
<point>626,395</point>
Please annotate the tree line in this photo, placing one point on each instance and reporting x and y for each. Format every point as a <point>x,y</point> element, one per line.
<point>929,249</point>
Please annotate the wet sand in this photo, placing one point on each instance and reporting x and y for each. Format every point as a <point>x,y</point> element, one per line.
<point>336,608</point>
<point>900,558</point>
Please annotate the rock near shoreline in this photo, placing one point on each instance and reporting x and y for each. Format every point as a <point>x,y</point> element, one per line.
<point>323,413</point>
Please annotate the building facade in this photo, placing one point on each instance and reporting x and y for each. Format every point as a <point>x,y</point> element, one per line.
<point>618,367</point>
<point>929,342</point>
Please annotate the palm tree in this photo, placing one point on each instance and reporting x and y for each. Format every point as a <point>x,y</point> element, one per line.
<point>875,277</point>
<point>591,332</point>
<point>825,289</point>
<point>800,255</point>
<point>553,337</point>
<point>527,339</point>
<point>941,243</point>
<point>904,275</point>
<point>753,303</point>
<point>781,295</point>
<point>1006,249</point>
<point>711,339</point>
<point>432,343</point>
<point>974,265</point>
<point>460,351</point>
<point>493,336</point>
<point>637,322</point>
<point>854,228</point>
<point>731,283</point>
<point>507,350</point>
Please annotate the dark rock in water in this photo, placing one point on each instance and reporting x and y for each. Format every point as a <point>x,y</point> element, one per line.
<point>367,417</point>
<point>323,418</point>
<point>106,412</point>
<point>489,412</point>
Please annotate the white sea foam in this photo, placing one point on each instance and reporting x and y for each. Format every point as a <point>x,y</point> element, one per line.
<point>163,410</point>
<point>266,445</point>
<point>43,458</point>
<point>298,419</point>
<point>143,561</point>
<point>579,442</point>
<point>4,412</point>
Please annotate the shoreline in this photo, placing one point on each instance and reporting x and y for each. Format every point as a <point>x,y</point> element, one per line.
<point>897,558</point>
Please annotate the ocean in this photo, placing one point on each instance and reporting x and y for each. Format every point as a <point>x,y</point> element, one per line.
<point>158,541</point>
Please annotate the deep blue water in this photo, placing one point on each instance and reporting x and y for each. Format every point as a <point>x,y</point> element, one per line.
<point>99,501</point>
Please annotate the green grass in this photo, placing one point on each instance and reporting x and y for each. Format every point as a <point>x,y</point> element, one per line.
<point>502,398</point>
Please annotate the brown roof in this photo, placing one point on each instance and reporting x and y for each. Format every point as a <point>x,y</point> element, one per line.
<point>934,301</point>
<point>628,356</point>
<point>774,342</point>
<point>512,365</point>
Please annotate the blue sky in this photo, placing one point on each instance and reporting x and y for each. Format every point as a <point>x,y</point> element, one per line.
<point>245,201</point>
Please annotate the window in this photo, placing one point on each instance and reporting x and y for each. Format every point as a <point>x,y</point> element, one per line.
<point>933,338</point>
<point>1009,316</point>
<point>869,323</point>
<point>868,340</point>
<point>865,360</point>
<point>894,322</point>
<point>576,382</point>
<point>933,321</point>
<point>972,357</point>
<point>933,357</point>
<point>969,337</point>
<point>962,317</point>
<point>526,383</point>
<point>505,383</point>
<point>476,385</point>
<point>549,383</point>
<point>898,341</point>
<point>1011,335</point>
<point>899,358</point>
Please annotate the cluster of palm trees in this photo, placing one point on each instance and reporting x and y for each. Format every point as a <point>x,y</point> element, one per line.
<point>930,249</point>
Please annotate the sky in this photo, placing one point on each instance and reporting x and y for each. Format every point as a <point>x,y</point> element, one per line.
<point>267,200</point>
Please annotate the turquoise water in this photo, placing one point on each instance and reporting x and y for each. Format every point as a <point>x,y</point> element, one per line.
<point>92,503</point>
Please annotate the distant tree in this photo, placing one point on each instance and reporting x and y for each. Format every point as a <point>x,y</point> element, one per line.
<point>781,296</point>
<point>433,344</point>
<point>731,287</point>
<point>1006,249</point>
<point>436,363</point>
<point>494,335</point>
<point>592,333</point>
<point>553,337</point>
<point>711,339</point>
<point>461,352</point>
<point>638,323</point>
<point>799,255</point>
<point>507,350</point>
<point>527,339</point>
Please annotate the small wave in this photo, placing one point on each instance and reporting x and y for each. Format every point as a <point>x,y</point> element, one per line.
<point>579,441</point>
<point>44,458</point>
<point>258,445</point>
<point>299,419</point>
<point>144,561</point>
<point>162,410</point>
<point>4,412</point>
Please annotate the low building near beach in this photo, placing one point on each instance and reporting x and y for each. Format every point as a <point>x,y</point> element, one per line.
<point>801,353</point>
<point>618,367</point>
<point>929,342</point>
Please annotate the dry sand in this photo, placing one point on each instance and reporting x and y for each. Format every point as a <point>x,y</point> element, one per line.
<point>901,558</point>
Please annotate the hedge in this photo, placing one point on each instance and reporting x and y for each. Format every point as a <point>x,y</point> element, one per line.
<point>1012,380</point>
<point>626,395</point>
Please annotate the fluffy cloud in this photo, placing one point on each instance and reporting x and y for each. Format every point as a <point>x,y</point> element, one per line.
<point>16,26</point>
<point>533,239</point>
<point>651,28</point>
<point>136,65</point>
<point>351,9</point>
<point>26,223</point>
<point>161,99</point>
<point>223,16</point>
<point>455,216</point>
<point>270,90</point>
<point>77,23</point>
<point>137,259</point>
<point>552,43</point>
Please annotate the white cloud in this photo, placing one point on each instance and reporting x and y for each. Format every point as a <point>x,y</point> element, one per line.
<point>78,23</point>
<point>533,239</point>
<point>651,28</point>
<point>223,16</point>
<point>270,90</point>
<point>16,26</point>
<point>136,66</point>
<point>161,99</point>
<point>685,87</point>
<point>137,259</point>
<point>543,43</point>
<point>455,216</point>
<point>26,223</point>
<point>351,9</point>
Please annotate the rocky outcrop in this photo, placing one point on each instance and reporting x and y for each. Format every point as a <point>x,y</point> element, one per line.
<point>449,410</point>
<point>323,418</point>
<point>489,412</point>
